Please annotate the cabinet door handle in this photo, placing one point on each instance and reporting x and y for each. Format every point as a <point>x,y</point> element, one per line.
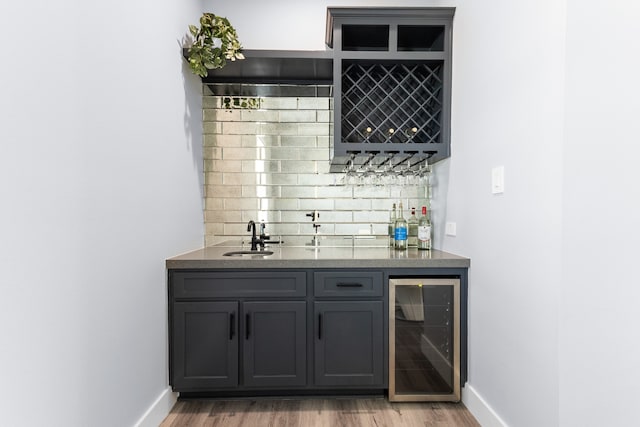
<point>349,285</point>
<point>232,325</point>
<point>247,321</point>
<point>320,326</point>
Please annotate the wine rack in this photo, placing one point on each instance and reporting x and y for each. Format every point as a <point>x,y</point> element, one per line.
<point>392,85</point>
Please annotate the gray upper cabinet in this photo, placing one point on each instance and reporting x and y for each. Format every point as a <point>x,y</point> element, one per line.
<point>392,84</point>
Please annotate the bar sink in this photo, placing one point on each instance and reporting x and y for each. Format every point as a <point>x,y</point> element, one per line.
<point>241,253</point>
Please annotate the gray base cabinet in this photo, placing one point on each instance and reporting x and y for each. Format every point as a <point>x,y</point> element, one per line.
<point>349,343</point>
<point>283,331</point>
<point>275,344</point>
<point>205,345</point>
<point>235,330</point>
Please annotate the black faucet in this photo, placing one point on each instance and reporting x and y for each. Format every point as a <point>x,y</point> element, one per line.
<point>255,241</point>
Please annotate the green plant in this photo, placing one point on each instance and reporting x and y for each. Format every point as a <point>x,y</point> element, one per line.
<point>214,42</point>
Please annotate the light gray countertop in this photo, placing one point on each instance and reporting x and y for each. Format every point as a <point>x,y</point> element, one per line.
<point>317,257</point>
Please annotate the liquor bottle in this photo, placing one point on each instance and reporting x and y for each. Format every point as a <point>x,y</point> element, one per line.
<point>424,231</point>
<point>412,240</point>
<point>400,235</point>
<point>392,226</point>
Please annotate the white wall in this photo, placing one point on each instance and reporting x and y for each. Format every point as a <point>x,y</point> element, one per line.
<point>100,180</point>
<point>599,346</point>
<point>507,111</point>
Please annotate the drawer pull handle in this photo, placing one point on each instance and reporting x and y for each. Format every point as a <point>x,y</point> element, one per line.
<point>349,285</point>
<point>320,326</point>
<point>232,325</point>
<point>247,325</point>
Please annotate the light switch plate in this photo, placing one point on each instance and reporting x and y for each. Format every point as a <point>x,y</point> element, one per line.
<point>497,180</point>
<point>450,228</point>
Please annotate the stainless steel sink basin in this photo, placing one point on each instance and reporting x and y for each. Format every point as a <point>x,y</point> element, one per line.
<point>241,253</point>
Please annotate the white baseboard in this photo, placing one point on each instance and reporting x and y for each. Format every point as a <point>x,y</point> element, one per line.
<point>159,410</point>
<point>485,415</point>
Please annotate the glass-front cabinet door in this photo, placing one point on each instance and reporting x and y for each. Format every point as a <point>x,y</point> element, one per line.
<point>424,339</point>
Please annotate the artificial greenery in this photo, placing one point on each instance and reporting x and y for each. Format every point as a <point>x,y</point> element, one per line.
<point>214,43</point>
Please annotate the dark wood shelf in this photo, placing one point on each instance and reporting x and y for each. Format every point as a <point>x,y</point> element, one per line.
<point>276,67</point>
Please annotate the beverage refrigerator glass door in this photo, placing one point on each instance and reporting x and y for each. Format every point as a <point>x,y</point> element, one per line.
<point>424,339</point>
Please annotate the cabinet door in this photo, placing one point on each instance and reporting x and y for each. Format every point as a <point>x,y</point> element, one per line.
<point>349,343</point>
<point>204,347</point>
<point>275,343</point>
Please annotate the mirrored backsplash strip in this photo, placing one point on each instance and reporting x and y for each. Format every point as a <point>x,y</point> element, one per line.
<point>267,158</point>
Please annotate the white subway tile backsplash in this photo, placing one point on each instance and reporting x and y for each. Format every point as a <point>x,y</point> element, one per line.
<point>370,216</point>
<point>315,179</point>
<point>352,228</point>
<point>297,116</point>
<point>295,216</point>
<point>242,204</point>
<point>313,103</point>
<point>319,129</point>
<point>279,204</point>
<point>212,153</point>
<point>336,216</point>
<point>371,192</point>
<point>231,178</point>
<point>261,191</point>
<point>280,103</point>
<point>213,227</point>
<point>298,141</point>
<point>211,102</point>
<point>284,229</point>
<point>299,166</point>
<point>223,166</point>
<point>217,140</point>
<point>335,192</point>
<point>279,179</point>
<point>260,141</point>
<point>323,142</point>
<point>272,164</point>
<point>211,204</point>
<point>259,116</point>
<point>218,115</point>
<point>323,116</point>
<point>230,153</point>
<point>282,153</point>
<point>240,128</point>
<point>278,128</point>
<point>299,191</point>
<point>314,154</point>
<point>308,205</point>
<point>223,191</point>
<point>211,127</point>
<point>352,204</point>
<point>260,166</point>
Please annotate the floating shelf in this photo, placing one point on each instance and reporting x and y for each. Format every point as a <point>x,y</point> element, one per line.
<point>275,67</point>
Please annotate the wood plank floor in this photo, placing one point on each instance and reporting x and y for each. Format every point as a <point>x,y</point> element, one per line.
<point>354,412</point>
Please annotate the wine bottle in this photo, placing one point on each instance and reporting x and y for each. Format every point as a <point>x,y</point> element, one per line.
<point>412,240</point>
<point>392,226</point>
<point>400,234</point>
<point>424,231</point>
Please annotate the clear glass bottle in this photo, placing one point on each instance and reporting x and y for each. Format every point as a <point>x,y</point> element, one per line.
<point>392,226</point>
<point>400,234</point>
<point>412,240</point>
<point>424,231</point>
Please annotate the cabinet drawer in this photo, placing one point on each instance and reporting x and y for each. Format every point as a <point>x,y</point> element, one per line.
<point>347,284</point>
<point>239,284</point>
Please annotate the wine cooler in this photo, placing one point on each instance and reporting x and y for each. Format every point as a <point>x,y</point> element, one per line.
<point>424,339</point>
